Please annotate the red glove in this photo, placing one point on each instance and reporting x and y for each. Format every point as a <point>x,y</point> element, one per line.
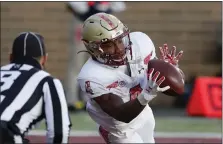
<point>170,57</point>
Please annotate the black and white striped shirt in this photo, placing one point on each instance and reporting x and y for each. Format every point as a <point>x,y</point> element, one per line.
<point>29,95</point>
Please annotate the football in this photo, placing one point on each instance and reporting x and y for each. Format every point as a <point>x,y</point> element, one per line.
<point>174,77</point>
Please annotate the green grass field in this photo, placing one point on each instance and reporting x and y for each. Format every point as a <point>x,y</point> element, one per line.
<point>81,121</point>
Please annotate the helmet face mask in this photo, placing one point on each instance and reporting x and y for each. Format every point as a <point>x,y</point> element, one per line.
<point>103,43</point>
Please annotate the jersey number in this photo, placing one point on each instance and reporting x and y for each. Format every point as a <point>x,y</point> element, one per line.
<point>7,79</point>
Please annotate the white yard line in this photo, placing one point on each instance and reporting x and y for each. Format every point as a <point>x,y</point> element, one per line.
<point>157,134</point>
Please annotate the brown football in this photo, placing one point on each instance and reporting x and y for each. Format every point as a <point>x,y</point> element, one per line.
<point>174,77</point>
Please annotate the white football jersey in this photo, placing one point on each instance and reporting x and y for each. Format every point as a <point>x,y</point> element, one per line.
<point>96,79</point>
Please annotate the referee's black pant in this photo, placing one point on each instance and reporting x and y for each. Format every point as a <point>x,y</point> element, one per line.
<point>9,134</point>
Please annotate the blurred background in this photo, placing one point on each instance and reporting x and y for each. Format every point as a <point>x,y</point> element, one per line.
<point>194,27</point>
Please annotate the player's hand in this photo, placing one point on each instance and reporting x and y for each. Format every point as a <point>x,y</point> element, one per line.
<point>154,83</point>
<point>171,56</point>
<point>153,86</point>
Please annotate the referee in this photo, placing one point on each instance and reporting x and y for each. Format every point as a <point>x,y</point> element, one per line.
<point>29,94</point>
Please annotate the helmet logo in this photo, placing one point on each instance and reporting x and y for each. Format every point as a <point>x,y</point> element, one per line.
<point>107,20</point>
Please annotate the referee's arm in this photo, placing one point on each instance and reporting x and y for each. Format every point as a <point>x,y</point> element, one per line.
<point>56,111</point>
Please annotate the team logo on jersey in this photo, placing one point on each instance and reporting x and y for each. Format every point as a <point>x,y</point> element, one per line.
<point>88,87</point>
<point>116,84</point>
<point>147,59</point>
<point>122,83</point>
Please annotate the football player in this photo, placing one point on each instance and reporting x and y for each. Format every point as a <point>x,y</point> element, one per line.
<point>117,81</point>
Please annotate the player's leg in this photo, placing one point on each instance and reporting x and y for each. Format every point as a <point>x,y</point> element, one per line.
<point>146,132</point>
<point>111,138</point>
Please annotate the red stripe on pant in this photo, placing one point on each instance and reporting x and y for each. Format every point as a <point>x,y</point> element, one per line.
<point>104,133</point>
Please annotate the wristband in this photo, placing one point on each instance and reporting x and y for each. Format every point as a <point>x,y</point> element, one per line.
<point>144,97</point>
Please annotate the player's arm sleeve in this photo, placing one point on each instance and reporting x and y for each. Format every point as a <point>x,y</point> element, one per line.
<point>56,111</point>
<point>92,88</point>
